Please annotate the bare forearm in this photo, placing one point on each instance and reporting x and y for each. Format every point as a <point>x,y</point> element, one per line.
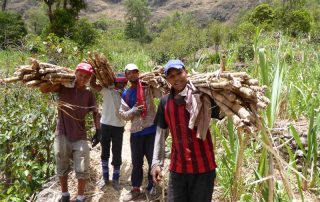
<point>96,119</point>
<point>47,88</point>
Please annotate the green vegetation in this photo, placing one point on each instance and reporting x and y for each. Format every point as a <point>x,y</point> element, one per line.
<point>279,43</point>
<point>12,29</point>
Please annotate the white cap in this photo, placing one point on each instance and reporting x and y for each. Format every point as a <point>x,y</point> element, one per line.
<point>131,67</point>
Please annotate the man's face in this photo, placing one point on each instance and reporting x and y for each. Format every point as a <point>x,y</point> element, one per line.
<point>132,75</point>
<point>82,78</point>
<point>177,78</point>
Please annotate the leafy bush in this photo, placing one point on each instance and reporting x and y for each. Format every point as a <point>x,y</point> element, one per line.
<point>246,31</point>
<point>215,34</point>
<point>62,50</point>
<point>101,25</point>
<point>245,52</point>
<point>36,20</point>
<point>12,29</point>
<point>84,33</point>
<point>137,15</point>
<point>174,19</point>
<point>263,15</point>
<point>297,22</point>
<point>26,140</point>
<point>62,23</point>
<point>177,41</point>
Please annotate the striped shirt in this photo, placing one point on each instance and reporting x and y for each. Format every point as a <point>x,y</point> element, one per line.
<point>189,154</point>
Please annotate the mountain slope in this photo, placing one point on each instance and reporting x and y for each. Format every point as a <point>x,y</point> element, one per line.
<point>203,10</point>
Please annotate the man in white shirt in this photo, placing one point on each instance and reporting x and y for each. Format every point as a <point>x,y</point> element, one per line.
<point>112,128</point>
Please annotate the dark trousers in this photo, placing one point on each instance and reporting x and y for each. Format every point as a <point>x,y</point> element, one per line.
<point>111,135</point>
<point>141,146</point>
<point>191,187</point>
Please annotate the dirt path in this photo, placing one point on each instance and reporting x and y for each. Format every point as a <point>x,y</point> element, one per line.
<point>51,191</point>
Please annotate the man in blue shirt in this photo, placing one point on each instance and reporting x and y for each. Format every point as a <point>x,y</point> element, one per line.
<point>138,107</point>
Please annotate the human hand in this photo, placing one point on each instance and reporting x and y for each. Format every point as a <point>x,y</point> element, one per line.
<point>157,174</point>
<point>93,79</point>
<point>96,138</point>
<point>136,110</point>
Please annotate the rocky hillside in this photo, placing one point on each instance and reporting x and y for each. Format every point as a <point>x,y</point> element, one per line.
<point>203,10</point>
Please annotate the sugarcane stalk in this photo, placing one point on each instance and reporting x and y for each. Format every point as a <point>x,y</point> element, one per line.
<point>11,79</point>
<point>33,83</point>
<point>237,179</point>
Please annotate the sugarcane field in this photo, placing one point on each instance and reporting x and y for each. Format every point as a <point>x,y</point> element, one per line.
<point>160,100</point>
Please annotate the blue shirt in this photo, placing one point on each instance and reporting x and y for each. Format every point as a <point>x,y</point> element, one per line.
<point>130,97</point>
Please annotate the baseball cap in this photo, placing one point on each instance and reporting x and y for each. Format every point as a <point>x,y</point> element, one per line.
<point>120,77</point>
<point>85,68</point>
<point>130,67</point>
<point>177,64</point>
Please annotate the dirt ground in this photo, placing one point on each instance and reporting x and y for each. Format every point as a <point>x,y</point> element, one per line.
<point>94,193</point>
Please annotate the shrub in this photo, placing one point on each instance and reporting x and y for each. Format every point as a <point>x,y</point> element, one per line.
<point>84,33</point>
<point>37,20</point>
<point>246,31</point>
<point>62,23</point>
<point>177,42</point>
<point>263,15</point>
<point>101,25</point>
<point>245,52</point>
<point>297,22</point>
<point>215,34</point>
<point>12,29</point>
<point>137,16</point>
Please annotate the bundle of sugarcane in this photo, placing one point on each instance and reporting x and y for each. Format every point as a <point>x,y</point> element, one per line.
<point>102,69</point>
<point>156,79</point>
<point>37,73</point>
<point>238,96</point>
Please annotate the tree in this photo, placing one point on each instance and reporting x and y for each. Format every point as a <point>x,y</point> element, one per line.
<point>4,5</point>
<point>49,4</point>
<point>297,22</point>
<point>62,23</point>
<point>293,4</point>
<point>137,17</point>
<point>262,15</point>
<point>72,6</point>
<point>84,33</point>
<point>36,20</point>
<point>12,28</point>
<point>215,34</point>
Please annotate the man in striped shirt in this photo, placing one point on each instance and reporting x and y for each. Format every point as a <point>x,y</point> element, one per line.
<point>192,166</point>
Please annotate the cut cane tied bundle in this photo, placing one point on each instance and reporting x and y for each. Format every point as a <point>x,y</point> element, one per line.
<point>39,73</point>
<point>102,69</point>
<point>238,96</point>
<point>156,79</point>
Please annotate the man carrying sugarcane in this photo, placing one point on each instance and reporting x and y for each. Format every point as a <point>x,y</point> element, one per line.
<point>70,137</point>
<point>192,166</point>
<point>137,105</point>
<point>112,128</point>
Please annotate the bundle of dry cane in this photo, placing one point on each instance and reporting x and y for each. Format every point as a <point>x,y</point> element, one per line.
<point>38,73</point>
<point>238,96</point>
<point>156,79</point>
<point>103,70</point>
